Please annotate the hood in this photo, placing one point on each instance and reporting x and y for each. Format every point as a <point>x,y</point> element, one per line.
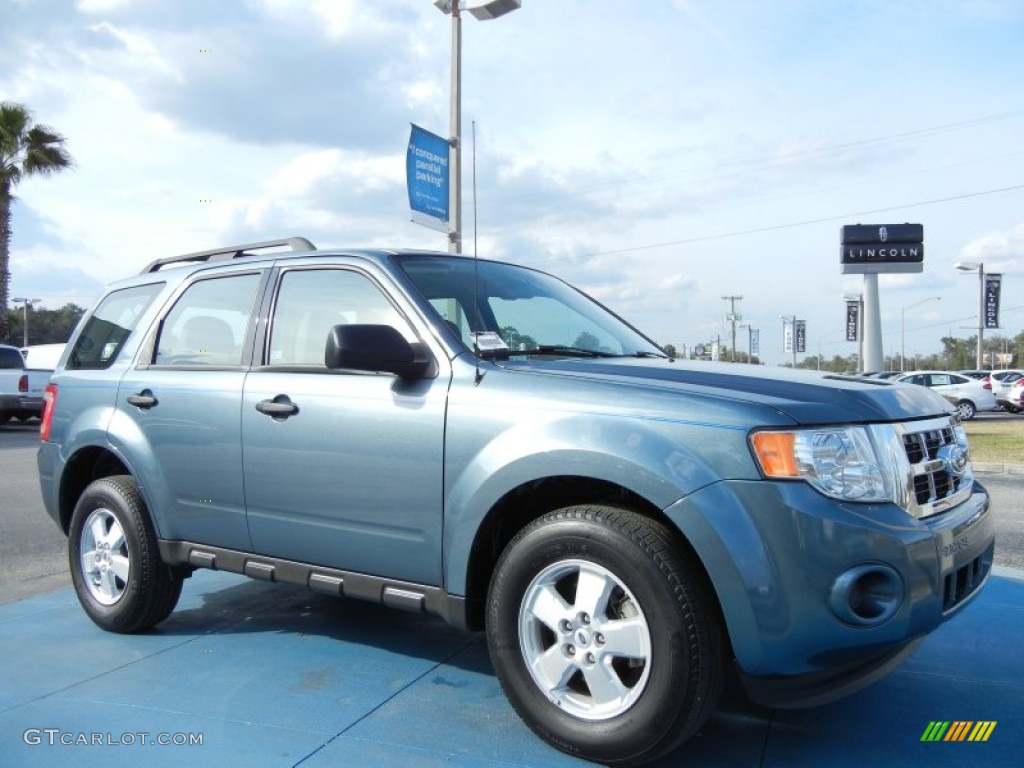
<point>806,397</point>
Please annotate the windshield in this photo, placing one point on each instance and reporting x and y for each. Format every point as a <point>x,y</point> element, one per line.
<point>501,310</point>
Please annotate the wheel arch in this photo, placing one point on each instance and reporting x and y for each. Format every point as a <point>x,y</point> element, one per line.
<point>86,465</point>
<point>527,502</point>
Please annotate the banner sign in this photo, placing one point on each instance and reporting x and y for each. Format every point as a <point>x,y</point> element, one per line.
<point>801,336</point>
<point>852,320</point>
<point>755,341</point>
<point>426,170</point>
<point>787,337</point>
<point>993,283</point>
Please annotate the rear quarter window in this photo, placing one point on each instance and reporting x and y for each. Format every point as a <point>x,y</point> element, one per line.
<point>111,323</point>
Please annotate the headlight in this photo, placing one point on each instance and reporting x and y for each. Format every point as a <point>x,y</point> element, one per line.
<point>841,462</point>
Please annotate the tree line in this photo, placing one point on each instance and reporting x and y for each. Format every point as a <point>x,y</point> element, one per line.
<point>956,355</point>
<point>45,326</point>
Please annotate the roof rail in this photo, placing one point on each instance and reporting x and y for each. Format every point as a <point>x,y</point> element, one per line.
<point>231,252</point>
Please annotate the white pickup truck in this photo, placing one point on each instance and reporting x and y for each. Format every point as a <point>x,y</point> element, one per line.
<point>24,374</point>
<point>12,368</point>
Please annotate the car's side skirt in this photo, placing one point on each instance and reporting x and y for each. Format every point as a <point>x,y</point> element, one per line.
<point>407,596</point>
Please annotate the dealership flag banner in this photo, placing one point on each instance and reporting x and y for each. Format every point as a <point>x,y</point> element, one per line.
<point>852,320</point>
<point>426,170</point>
<point>993,283</point>
<point>755,341</point>
<point>801,336</point>
<point>787,337</point>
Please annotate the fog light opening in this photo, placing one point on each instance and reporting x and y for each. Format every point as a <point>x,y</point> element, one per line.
<point>867,595</point>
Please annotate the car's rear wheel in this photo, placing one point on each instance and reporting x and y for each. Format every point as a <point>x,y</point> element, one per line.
<point>965,410</point>
<point>604,635</point>
<point>116,569</point>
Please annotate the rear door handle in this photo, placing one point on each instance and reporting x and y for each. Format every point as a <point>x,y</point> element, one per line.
<point>279,408</point>
<point>143,399</point>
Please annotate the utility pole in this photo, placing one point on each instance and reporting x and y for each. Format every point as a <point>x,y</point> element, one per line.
<point>733,318</point>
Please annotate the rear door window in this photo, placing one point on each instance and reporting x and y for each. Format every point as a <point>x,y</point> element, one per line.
<point>208,325</point>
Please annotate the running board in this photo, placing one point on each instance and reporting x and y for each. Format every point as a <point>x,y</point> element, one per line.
<point>403,595</point>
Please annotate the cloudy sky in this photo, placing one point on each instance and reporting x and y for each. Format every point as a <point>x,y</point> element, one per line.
<point>659,154</point>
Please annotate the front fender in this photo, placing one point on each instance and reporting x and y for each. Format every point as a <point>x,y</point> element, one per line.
<point>650,458</point>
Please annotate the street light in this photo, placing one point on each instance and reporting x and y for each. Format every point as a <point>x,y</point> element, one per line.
<point>489,9</point>
<point>24,322</point>
<point>971,266</point>
<point>903,330</point>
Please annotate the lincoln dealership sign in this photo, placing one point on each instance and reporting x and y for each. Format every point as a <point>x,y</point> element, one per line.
<point>881,248</point>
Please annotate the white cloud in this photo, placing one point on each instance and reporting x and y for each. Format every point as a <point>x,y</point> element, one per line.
<point>996,248</point>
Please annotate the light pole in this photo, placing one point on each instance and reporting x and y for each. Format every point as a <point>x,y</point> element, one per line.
<point>24,322</point>
<point>751,330</point>
<point>971,266</point>
<point>903,330</point>
<point>489,9</point>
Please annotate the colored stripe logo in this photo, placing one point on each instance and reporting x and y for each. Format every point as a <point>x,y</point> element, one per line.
<point>959,730</point>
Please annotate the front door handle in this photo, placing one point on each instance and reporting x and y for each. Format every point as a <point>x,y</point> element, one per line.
<point>279,408</point>
<point>143,399</point>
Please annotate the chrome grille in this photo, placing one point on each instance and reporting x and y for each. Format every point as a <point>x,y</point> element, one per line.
<point>937,474</point>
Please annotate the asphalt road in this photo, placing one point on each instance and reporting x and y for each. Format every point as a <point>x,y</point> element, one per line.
<point>33,551</point>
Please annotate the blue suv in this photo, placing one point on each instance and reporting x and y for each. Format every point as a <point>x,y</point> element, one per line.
<point>482,442</point>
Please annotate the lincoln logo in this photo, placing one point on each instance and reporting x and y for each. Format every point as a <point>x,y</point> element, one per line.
<point>883,234</point>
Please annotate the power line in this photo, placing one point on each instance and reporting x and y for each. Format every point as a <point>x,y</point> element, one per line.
<point>776,227</point>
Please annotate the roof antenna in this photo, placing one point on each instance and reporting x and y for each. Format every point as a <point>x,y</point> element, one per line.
<point>476,265</point>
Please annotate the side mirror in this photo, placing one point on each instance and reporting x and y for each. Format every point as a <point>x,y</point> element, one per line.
<point>377,348</point>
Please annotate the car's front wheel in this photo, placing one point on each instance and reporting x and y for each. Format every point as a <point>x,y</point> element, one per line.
<point>116,569</point>
<point>603,634</point>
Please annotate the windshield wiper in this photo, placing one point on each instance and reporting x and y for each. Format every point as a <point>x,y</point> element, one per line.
<point>559,349</point>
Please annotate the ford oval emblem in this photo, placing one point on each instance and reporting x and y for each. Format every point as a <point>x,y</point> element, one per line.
<point>954,457</point>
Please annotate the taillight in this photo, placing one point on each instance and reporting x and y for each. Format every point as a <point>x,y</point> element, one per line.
<point>49,402</point>
<point>23,383</point>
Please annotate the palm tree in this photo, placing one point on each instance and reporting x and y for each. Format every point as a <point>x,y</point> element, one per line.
<point>25,150</point>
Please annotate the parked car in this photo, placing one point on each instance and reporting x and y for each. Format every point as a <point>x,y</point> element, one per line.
<point>968,395</point>
<point>1002,382</point>
<point>1015,396</point>
<point>482,442</point>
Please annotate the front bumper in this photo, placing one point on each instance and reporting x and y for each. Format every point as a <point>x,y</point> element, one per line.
<point>775,552</point>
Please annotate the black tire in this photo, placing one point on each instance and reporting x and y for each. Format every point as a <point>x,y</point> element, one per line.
<point>116,569</point>
<point>644,579</point>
